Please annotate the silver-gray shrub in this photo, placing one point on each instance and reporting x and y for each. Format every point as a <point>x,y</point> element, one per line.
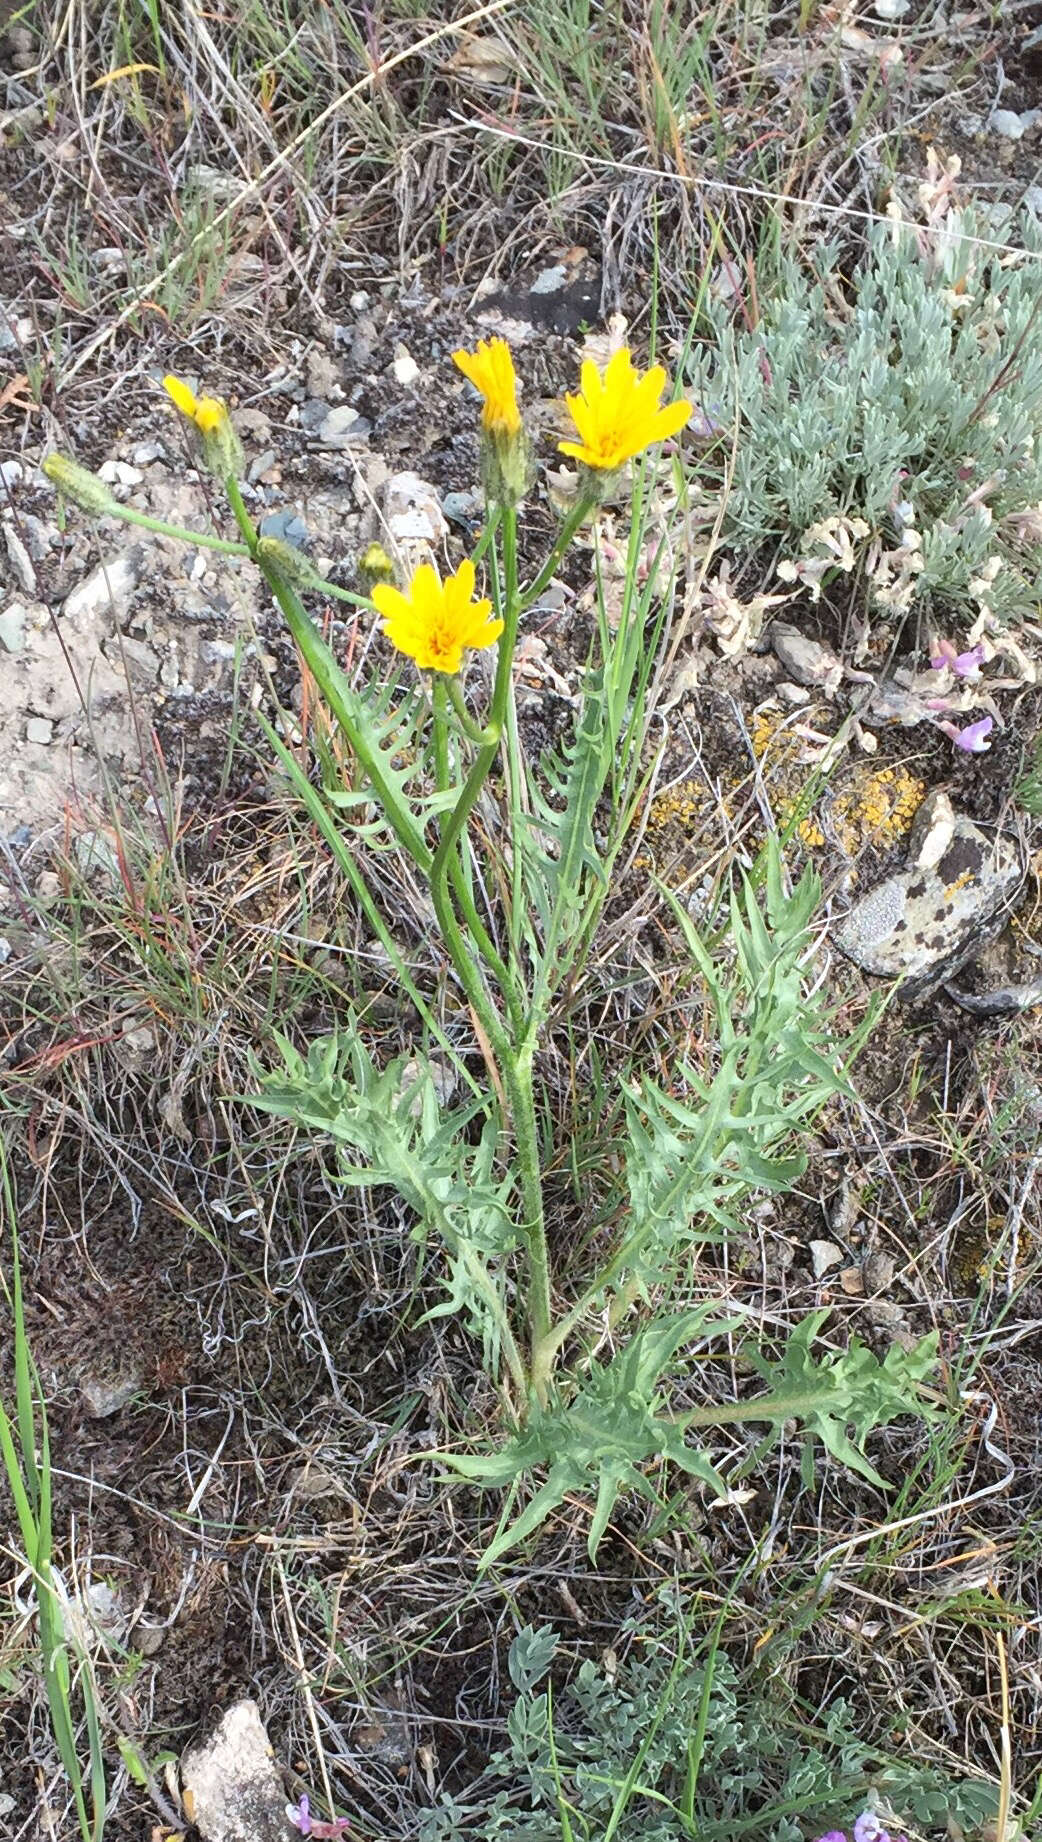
<point>904,388</point>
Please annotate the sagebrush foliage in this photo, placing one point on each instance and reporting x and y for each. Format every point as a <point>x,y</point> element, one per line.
<point>906,392</point>
<point>671,1745</point>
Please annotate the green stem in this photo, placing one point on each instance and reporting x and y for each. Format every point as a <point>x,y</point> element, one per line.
<point>499,1040</point>
<point>514,1057</point>
<point>519,1070</point>
<point>564,537</point>
<point>474,731</point>
<point>330,680</point>
<point>242,516</point>
<point>205,540</point>
<point>518,1077</point>
<point>515,772</point>
<point>461,888</point>
<point>441,739</point>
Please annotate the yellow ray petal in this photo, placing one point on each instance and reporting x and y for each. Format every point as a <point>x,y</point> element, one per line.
<point>183,395</point>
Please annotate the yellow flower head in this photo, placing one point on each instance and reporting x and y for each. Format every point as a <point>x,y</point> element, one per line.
<point>222,449</point>
<point>491,370</point>
<point>436,621</point>
<point>208,413</point>
<point>618,416</point>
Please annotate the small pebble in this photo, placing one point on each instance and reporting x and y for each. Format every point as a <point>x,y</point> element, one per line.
<point>12,627</point>
<point>261,464</point>
<point>823,1256</point>
<point>118,473</point>
<point>406,370</point>
<point>104,1397</point>
<point>21,561</point>
<point>39,729</point>
<point>112,582</point>
<point>10,472</point>
<point>313,413</point>
<point>1009,124</point>
<point>342,426</point>
<point>286,525</point>
<point>146,452</point>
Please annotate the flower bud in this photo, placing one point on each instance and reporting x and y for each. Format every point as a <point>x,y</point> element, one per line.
<point>373,566</point>
<point>506,469</point>
<point>292,565</point>
<point>222,449</point>
<point>81,486</point>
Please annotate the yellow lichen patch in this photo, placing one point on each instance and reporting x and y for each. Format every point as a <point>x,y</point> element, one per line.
<point>679,805</point>
<point>673,816</point>
<point>877,809</point>
<point>962,881</point>
<point>807,830</point>
<point>767,733</point>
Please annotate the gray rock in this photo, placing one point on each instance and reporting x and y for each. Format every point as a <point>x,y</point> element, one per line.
<point>313,413</point>
<point>146,452</point>
<point>342,427</point>
<point>11,472</point>
<point>287,525</point>
<point>823,1256</point>
<point>12,627</point>
<point>40,538</point>
<point>95,854</point>
<point>231,1785</point>
<point>104,1395</point>
<point>796,696</point>
<point>261,464</point>
<point>1004,1001</point>
<point>21,561</point>
<point>135,656</point>
<point>806,659</point>
<point>1012,126</point>
<point>15,331</point>
<point>112,583</point>
<point>119,473</point>
<point>464,508</point>
<point>39,729</point>
<point>109,260</point>
<point>921,925</point>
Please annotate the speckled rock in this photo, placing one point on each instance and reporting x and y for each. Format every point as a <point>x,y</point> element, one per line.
<point>921,925</point>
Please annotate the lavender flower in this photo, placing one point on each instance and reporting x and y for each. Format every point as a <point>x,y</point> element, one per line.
<point>973,740</point>
<point>963,664</point>
<point>868,1828</point>
<point>301,1818</point>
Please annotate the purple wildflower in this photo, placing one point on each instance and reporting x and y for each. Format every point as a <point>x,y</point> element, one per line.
<point>301,1818</point>
<point>963,664</point>
<point>868,1828</point>
<point>834,1835</point>
<point>973,740</point>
